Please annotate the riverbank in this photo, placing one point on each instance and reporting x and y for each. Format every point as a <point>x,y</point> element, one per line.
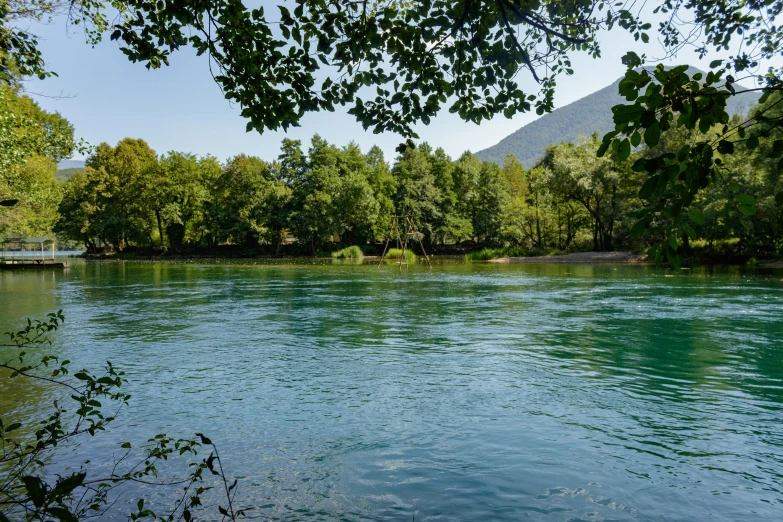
<point>579,257</point>
<point>296,257</point>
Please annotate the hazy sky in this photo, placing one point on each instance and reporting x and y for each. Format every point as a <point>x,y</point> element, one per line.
<point>180,107</point>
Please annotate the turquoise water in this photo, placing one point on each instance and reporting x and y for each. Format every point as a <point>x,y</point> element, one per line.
<point>468,392</point>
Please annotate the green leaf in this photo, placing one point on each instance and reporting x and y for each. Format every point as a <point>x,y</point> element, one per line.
<point>638,228</point>
<point>752,142</point>
<point>689,231</point>
<point>648,187</point>
<point>652,134</point>
<point>747,210</point>
<point>636,139</point>
<point>631,59</point>
<point>639,165</point>
<point>715,63</point>
<point>8,202</point>
<point>624,150</point>
<point>725,147</point>
<point>601,150</point>
<point>673,258</point>
<point>66,485</point>
<point>62,514</point>
<point>745,199</point>
<point>36,489</point>
<point>12,427</point>
<point>696,215</point>
<point>647,118</point>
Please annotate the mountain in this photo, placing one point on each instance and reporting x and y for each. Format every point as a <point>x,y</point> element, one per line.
<point>71,164</point>
<point>593,113</point>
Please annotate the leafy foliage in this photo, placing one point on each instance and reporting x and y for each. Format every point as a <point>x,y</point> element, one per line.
<point>351,252</point>
<point>31,141</point>
<point>393,63</point>
<point>28,487</point>
<point>568,123</point>
<point>395,254</point>
<point>676,178</point>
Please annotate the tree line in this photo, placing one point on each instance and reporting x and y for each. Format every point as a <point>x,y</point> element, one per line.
<point>321,197</point>
<point>326,197</point>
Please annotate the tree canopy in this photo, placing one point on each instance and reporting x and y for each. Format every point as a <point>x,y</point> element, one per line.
<point>398,63</point>
<point>393,63</point>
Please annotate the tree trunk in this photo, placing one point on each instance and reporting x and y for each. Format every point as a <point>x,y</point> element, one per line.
<point>160,227</point>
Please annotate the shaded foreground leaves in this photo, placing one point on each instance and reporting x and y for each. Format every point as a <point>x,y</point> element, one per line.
<point>33,487</point>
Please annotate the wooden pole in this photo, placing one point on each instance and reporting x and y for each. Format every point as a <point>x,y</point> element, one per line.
<point>386,246</point>
<point>413,226</point>
<point>401,243</point>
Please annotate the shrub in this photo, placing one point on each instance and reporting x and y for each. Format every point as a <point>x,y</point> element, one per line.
<point>351,252</point>
<point>396,253</point>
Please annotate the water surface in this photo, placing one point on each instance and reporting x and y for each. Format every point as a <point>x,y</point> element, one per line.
<point>469,392</point>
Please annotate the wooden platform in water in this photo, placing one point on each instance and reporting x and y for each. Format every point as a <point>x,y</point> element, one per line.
<point>30,264</point>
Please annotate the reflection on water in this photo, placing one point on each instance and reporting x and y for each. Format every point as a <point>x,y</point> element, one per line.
<point>469,392</point>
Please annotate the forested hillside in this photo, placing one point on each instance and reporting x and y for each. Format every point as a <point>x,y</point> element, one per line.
<point>64,175</point>
<point>593,113</point>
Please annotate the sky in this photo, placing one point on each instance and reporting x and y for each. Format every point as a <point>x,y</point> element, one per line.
<point>108,98</point>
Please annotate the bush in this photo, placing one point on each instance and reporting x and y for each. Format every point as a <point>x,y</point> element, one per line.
<point>351,252</point>
<point>396,254</point>
<point>31,485</point>
<point>486,254</point>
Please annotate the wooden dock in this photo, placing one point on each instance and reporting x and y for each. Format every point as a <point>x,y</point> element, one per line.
<point>23,264</point>
<point>17,258</point>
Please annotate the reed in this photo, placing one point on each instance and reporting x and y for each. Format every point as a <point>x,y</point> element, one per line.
<point>351,252</point>
<point>396,254</point>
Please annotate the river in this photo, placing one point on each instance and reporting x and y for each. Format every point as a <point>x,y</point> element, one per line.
<point>466,392</point>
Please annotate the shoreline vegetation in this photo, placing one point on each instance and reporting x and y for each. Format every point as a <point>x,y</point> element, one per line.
<point>373,254</point>
<point>131,203</point>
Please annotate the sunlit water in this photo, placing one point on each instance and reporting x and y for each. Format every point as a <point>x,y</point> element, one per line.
<point>468,392</point>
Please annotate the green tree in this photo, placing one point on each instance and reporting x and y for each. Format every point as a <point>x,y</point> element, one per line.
<point>417,194</point>
<point>280,61</point>
<point>248,198</point>
<point>115,175</point>
<point>176,189</point>
<point>38,194</point>
<point>384,188</point>
<point>31,141</point>
<point>491,198</point>
<point>574,172</point>
<point>78,211</point>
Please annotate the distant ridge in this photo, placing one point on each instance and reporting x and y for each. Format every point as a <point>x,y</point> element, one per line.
<point>71,164</point>
<point>590,114</point>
